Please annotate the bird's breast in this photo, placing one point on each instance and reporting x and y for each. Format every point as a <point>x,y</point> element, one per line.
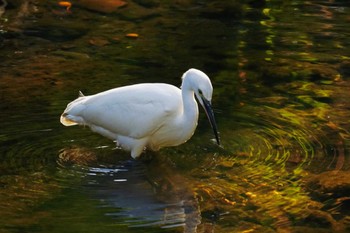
<point>172,134</point>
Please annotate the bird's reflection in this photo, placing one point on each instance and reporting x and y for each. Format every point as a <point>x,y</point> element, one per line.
<point>142,193</point>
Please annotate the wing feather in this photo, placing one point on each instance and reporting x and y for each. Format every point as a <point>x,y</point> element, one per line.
<point>135,111</point>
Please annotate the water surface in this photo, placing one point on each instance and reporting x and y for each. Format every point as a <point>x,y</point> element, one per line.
<point>280,73</point>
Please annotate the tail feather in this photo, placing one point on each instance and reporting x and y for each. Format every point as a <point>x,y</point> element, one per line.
<point>72,114</point>
<point>67,120</point>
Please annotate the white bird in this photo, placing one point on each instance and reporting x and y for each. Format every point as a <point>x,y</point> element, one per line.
<point>148,115</point>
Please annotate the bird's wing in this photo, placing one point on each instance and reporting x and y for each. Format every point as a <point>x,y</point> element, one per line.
<point>135,111</point>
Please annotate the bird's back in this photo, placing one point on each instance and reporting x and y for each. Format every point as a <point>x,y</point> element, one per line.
<point>134,111</point>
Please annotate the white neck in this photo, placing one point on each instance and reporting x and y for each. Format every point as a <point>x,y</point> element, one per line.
<point>190,106</point>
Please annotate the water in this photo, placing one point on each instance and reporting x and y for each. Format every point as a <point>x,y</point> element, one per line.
<point>281,96</point>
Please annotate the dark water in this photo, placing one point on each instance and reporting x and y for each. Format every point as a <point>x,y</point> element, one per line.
<point>280,72</point>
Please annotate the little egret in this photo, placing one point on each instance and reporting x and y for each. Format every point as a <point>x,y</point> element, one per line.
<point>148,115</point>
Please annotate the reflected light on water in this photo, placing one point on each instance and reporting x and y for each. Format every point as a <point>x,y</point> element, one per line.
<point>132,196</point>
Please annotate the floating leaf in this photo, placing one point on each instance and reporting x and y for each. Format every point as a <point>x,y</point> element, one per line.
<point>68,5</point>
<point>132,35</point>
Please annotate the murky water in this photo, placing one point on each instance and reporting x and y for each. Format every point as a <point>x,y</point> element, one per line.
<point>281,96</point>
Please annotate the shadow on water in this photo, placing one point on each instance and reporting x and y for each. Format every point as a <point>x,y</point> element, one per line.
<point>280,72</point>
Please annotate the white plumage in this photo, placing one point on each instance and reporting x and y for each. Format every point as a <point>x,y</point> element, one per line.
<point>151,115</point>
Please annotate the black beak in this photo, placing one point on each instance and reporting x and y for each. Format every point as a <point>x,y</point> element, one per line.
<point>210,114</point>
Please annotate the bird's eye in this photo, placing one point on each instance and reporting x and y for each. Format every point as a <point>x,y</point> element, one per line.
<point>200,92</point>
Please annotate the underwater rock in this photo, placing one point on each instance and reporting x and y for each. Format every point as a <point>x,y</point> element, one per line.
<point>137,12</point>
<point>106,6</point>
<point>321,219</point>
<point>76,155</point>
<point>99,42</point>
<point>71,55</point>
<point>325,220</point>
<point>331,183</point>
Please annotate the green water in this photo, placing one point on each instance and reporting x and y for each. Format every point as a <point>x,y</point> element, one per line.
<point>280,73</point>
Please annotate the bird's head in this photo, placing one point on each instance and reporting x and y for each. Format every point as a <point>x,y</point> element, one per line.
<point>201,85</point>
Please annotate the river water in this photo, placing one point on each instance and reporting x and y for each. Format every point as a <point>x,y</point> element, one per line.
<point>280,72</point>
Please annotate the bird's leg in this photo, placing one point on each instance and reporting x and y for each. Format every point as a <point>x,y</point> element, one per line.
<point>138,148</point>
